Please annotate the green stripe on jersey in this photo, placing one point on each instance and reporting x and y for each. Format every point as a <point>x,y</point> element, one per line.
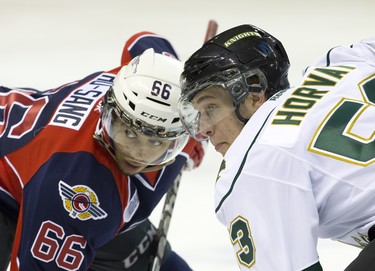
<point>242,164</point>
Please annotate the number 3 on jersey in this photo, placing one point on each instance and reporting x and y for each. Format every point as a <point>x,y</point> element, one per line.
<point>240,235</point>
<point>346,134</point>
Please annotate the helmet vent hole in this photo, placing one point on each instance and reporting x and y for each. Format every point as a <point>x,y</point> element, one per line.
<point>126,98</point>
<point>175,120</point>
<point>132,105</point>
<point>252,80</point>
<point>159,102</point>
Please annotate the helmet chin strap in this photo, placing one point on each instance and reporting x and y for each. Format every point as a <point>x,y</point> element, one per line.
<point>238,114</point>
<point>251,88</point>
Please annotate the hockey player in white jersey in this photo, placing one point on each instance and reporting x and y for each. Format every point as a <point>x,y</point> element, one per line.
<point>298,162</point>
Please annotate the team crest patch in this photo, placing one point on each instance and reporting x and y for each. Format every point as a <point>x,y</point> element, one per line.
<point>81,202</point>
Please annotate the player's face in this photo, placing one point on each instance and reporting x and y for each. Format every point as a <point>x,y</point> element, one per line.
<point>135,151</point>
<point>217,120</point>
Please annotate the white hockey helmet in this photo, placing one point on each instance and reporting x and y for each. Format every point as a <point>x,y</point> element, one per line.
<point>143,103</point>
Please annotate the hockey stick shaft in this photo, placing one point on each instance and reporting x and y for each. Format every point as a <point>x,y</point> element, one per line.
<point>211,30</point>
<point>171,195</point>
<point>165,220</point>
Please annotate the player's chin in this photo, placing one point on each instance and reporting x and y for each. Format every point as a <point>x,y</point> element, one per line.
<point>130,169</point>
<point>221,148</point>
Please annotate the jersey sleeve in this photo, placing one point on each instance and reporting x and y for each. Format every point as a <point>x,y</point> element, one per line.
<point>142,41</point>
<point>360,52</point>
<point>51,167</point>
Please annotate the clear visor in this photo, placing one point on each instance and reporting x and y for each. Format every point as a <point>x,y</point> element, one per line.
<point>137,146</point>
<point>203,109</point>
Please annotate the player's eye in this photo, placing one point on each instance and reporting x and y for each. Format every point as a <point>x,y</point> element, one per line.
<point>210,110</point>
<point>155,142</point>
<point>130,133</point>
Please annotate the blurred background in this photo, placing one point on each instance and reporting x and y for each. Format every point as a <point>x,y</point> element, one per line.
<point>47,43</point>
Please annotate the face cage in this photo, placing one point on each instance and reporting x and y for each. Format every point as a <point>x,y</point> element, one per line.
<point>232,81</point>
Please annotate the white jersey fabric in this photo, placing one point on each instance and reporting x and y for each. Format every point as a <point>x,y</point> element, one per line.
<point>303,167</point>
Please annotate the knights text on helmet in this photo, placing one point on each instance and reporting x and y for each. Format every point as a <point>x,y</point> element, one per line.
<point>240,36</point>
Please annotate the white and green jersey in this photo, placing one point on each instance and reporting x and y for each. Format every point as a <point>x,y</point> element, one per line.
<point>303,167</point>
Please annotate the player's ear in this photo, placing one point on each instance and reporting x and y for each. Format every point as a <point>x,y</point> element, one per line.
<point>252,102</point>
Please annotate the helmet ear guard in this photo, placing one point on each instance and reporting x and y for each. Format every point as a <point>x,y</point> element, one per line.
<point>238,90</point>
<point>249,81</point>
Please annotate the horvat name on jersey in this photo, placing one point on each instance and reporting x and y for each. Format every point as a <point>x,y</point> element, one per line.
<point>305,97</point>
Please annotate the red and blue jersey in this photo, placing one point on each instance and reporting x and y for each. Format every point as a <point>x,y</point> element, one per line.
<point>63,187</point>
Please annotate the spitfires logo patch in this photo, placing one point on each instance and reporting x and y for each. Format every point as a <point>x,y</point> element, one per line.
<point>81,202</point>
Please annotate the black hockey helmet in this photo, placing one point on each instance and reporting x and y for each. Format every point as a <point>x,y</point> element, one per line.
<point>231,54</point>
<point>238,61</point>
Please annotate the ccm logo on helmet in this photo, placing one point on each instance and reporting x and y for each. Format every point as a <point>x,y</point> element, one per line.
<point>152,117</point>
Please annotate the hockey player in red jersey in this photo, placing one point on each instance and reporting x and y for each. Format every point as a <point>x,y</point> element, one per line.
<point>133,249</point>
<point>87,160</point>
